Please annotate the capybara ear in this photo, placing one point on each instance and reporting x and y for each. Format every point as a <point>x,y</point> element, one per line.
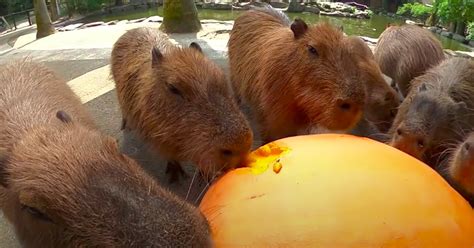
<point>156,56</point>
<point>63,116</point>
<point>196,46</point>
<point>298,27</point>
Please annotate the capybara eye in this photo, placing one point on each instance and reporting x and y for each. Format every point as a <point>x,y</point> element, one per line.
<point>421,144</point>
<point>174,90</point>
<point>226,152</point>
<point>393,112</point>
<point>467,146</point>
<point>35,213</point>
<point>312,50</point>
<point>399,131</point>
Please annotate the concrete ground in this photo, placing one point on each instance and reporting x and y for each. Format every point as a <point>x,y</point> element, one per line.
<point>81,57</point>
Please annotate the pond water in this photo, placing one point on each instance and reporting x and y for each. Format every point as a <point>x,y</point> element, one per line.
<point>372,27</point>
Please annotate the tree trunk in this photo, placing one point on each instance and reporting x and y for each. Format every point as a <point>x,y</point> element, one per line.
<point>452,27</point>
<point>460,28</point>
<point>180,16</point>
<point>118,2</point>
<point>43,22</point>
<point>54,10</point>
<point>386,5</point>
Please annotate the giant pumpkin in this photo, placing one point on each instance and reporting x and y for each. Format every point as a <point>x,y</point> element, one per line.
<point>336,191</point>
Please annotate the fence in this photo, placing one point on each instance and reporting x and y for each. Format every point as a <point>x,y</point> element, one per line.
<point>11,21</point>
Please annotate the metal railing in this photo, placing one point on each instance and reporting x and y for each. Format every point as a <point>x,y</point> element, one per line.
<point>14,17</point>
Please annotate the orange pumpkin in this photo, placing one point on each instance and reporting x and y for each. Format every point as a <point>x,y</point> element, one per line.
<point>336,191</point>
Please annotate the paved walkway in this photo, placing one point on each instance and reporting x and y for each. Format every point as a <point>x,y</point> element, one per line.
<point>82,58</point>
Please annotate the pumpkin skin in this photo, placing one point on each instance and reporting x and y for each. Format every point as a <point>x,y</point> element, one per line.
<point>334,190</point>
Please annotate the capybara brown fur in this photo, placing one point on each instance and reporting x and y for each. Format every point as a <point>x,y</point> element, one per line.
<point>294,76</point>
<point>437,112</point>
<point>63,184</point>
<point>179,101</point>
<point>382,99</point>
<point>405,52</point>
<point>461,166</point>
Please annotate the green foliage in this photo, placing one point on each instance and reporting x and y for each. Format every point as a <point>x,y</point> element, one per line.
<point>416,10</point>
<point>470,31</point>
<point>455,10</point>
<point>370,12</point>
<point>12,6</point>
<point>84,6</point>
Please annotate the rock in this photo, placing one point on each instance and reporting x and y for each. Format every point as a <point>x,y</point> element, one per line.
<point>311,9</point>
<point>368,39</point>
<point>280,5</point>
<point>471,43</point>
<point>459,38</point>
<point>122,22</point>
<point>433,29</point>
<point>295,7</point>
<point>137,20</point>
<point>154,19</point>
<point>93,24</point>
<point>114,22</point>
<point>447,34</point>
<point>71,27</point>
<point>217,6</point>
<point>449,52</point>
<point>464,54</point>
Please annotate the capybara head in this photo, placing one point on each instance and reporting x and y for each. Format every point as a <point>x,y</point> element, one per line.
<point>429,116</point>
<point>194,101</point>
<point>382,99</point>
<point>327,66</point>
<point>67,186</point>
<point>461,167</point>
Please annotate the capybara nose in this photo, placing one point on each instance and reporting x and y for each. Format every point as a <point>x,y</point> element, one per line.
<point>347,105</point>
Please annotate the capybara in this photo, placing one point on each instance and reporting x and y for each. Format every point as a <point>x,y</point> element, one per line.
<point>63,184</point>
<point>405,52</point>
<point>461,165</point>
<point>294,76</point>
<point>436,112</point>
<point>179,101</point>
<point>382,99</point>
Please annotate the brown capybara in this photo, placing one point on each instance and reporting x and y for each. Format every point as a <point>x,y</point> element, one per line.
<point>179,101</point>
<point>294,77</point>
<point>436,112</point>
<point>382,99</point>
<point>63,184</point>
<point>461,166</point>
<point>405,52</point>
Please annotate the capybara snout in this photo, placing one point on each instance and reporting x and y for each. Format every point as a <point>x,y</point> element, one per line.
<point>461,166</point>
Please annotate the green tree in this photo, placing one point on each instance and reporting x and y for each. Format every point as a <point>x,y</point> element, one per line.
<point>180,16</point>
<point>455,12</point>
<point>43,22</point>
<point>54,10</point>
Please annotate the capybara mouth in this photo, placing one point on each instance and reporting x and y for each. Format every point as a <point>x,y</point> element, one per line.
<point>344,121</point>
<point>407,148</point>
